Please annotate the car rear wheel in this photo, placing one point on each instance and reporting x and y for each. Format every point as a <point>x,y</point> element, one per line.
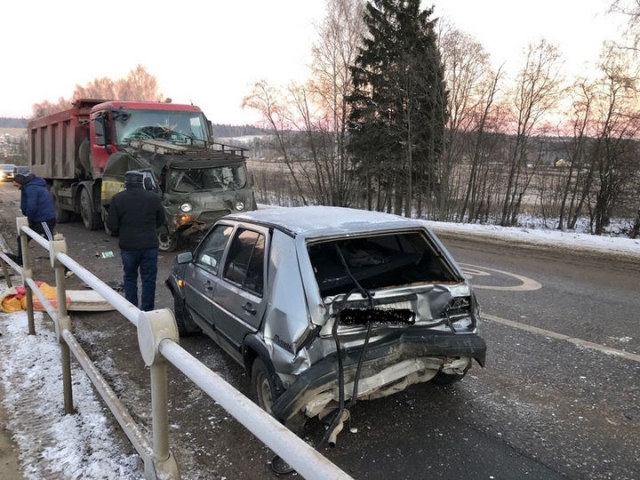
<point>265,385</point>
<point>186,325</point>
<point>267,388</point>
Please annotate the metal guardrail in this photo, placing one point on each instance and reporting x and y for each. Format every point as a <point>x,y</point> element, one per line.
<point>158,341</point>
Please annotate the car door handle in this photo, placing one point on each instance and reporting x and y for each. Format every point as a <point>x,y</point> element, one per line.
<point>247,307</point>
<point>208,286</point>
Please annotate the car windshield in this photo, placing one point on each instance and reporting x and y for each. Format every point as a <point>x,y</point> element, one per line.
<point>206,179</point>
<point>177,127</point>
<point>376,262</point>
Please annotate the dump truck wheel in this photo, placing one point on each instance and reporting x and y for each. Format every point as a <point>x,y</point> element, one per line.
<point>91,219</point>
<point>62,215</point>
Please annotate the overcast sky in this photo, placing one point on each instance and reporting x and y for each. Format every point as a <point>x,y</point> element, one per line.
<point>210,53</point>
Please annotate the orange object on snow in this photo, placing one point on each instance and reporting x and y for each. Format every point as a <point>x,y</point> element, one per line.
<point>15,298</point>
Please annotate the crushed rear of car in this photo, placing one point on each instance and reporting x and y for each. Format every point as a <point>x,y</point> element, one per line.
<point>352,305</point>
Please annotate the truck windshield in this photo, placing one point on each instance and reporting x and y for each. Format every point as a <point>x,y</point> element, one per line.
<point>184,128</point>
<point>213,179</point>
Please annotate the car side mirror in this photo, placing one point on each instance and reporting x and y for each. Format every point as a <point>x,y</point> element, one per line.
<point>184,257</point>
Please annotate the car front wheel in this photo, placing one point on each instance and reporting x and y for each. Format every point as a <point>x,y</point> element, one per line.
<point>186,325</point>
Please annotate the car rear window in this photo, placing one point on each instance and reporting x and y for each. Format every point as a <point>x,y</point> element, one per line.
<point>375,262</point>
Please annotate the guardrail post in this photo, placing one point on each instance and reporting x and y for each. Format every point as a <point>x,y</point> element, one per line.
<point>27,271</point>
<point>153,327</point>
<point>63,322</point>
<point>5,272</point>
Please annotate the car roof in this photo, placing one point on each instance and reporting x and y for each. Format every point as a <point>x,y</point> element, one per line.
<point>315,221</point>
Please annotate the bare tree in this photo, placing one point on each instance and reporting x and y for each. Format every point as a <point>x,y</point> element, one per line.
<point>617,126</point>
<point>472,85</point>
<point>536,93</point>
<point>340,37</point>
<point>46,108</point>
<point>274,109</point>
<point>630,10</point>
<point>571,200</point>
<point>310,121</point>
<point>137,85</point>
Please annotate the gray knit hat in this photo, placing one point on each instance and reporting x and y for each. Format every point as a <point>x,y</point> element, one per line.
<point>22,175</point>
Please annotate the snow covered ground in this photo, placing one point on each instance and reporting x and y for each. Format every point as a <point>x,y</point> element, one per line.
<point>83,446</point>
<point>535,234</point>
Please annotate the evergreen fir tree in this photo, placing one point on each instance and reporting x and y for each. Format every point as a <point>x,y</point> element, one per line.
<point>398,106</point>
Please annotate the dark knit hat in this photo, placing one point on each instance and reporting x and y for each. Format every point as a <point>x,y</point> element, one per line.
<point>133,178</point>
<point>22,175</point>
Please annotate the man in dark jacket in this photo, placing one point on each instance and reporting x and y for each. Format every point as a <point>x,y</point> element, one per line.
<point>37,205</point>
<point>135,214</point>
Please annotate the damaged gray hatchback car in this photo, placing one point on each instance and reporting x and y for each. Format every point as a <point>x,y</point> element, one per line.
<point>325,306</point>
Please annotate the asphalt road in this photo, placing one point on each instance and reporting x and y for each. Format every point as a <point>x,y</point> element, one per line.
<point>544,407</point>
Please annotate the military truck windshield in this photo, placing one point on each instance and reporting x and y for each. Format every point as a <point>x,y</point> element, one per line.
<point>182,128</point>
<point>213,179</point>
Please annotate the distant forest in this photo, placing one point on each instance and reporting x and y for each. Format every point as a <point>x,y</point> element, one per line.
<point>13,122</point>
<point>237,131</point>
<point>218,130</point>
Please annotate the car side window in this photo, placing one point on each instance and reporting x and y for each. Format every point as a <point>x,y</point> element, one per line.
<point>210,253</point>
<point>245,261</point>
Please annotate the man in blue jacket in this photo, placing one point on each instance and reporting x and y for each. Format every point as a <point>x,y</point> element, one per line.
<point>135,214</point>
<point>37,205</point>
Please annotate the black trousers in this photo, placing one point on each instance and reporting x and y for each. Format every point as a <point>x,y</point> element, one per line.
<point>44,229</point>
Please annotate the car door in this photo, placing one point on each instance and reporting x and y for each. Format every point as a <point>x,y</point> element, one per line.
<point>201,275</point>
<point>241,290</point>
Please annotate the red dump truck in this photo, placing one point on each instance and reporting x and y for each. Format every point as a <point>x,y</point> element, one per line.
<point>84,152</point>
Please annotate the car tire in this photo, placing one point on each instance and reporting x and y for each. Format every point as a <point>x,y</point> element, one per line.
<point>267,387</point>
<point>265,384</point>
<point>186,325</point>
<point>442,378</point>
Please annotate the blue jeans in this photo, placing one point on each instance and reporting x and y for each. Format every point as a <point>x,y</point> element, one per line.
<point>147,262</point>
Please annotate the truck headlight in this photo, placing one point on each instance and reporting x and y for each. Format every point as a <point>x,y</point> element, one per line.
<point>186,207</point>
<point>239,205</point>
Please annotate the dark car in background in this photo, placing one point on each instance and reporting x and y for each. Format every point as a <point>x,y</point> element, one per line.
<point>7,172</point>
<point>324,306</point>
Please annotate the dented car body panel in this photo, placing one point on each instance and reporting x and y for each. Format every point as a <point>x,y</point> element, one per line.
<point>351,304</point>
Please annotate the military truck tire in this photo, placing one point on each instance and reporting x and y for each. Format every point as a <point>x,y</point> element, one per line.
<point>91,219</point>
<point>167,242</point>
<point>104,222</point>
